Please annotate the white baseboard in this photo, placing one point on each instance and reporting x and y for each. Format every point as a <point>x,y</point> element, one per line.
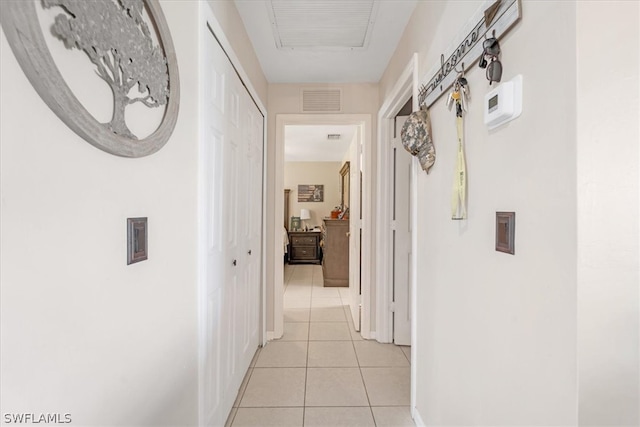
<point>417,418</point>
<point>271,335</point>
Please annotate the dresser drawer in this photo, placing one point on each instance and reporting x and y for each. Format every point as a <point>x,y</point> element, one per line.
<point>304,252</point>
<point>304,240</point>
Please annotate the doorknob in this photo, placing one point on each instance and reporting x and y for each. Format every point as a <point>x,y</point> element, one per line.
<point>235,262</point>
<point>348,233</point>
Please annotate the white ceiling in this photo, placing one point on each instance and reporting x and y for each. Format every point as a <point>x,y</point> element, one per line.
<point>323,41</point>
<point>335,23</point>
<point>309,143</point>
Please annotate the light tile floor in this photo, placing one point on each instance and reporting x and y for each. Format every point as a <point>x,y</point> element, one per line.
<point>322,373</point>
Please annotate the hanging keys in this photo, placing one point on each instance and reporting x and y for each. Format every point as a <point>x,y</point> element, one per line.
<point>450,100</point>
<point>459,95</point>
<point>454,95</point>
<point>464,89</point>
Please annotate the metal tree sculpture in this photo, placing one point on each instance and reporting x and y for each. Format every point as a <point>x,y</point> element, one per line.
<point>117,40</point>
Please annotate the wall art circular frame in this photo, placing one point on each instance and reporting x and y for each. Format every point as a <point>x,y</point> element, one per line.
<point>22,28</point>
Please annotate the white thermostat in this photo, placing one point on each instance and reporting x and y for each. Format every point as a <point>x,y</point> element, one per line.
<point>504,103</point>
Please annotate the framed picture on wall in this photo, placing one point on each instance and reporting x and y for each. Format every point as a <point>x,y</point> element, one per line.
<point>310,193</point>
<point>295,223</point>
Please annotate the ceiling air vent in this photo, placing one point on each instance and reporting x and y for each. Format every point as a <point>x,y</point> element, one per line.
<point>322,24</point>
<point>321,100</point>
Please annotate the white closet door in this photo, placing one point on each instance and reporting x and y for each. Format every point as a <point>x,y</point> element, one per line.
<point>253,237</point>
<point>355,229</point>
<point>232,133</point>
<point>214,132</point>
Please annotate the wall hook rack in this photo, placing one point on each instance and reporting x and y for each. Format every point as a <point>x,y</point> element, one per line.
<point>440,78</point>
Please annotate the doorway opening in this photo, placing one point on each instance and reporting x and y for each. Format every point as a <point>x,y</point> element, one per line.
<point>358,154</point>
<point>406,88</point>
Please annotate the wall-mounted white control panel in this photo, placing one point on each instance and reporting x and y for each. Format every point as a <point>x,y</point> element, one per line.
<point>504,103</point>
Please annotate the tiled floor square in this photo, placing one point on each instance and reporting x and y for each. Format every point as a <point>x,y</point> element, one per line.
<point>338,417</point>
<point>372,353</point>
<point>329,331</point>
<point>333,314</point>
<point>393,416</point>
<point>296,314</point>
<point>327,354</point>
<point>388,386</point>
<point>298,282</point>
<point>299,292</point>
<point>322,292</point>
<point>283,354</point>
<point>335,387</point>
<point>274,387</point>
<point>264,417</point>
<point>318,282</point>
<point>296,302</point>
<point>302,273</point>
<point>295,331</point>
<point>319,302</point>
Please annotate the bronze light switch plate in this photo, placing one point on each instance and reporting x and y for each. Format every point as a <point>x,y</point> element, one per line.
<point>136,240</point>
<point>505,232</point>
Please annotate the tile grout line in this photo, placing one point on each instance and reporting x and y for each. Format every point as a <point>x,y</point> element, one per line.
<point>306,371</point>
<point>246,385</point>
<point>364,385</point>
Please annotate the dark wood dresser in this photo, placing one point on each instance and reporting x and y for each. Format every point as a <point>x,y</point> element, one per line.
<point>335,248</point>
<point>304,247</point>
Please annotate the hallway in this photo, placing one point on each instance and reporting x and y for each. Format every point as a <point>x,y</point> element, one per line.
<point>322,373</point>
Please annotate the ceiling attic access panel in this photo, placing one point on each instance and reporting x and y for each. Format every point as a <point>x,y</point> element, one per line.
<point>322,24</point>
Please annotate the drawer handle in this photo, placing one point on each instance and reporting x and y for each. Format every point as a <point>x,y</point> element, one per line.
<point>235,262</point>
<point>249,252</point>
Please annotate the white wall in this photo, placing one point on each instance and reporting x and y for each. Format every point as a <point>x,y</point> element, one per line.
<point>496,336</point>
<point>608,190</point>
<point>303,173</point>
<point>82,332</point>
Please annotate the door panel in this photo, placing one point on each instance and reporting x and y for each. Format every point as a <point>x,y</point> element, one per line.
<point>213,152</point>
<point>232,212</point>
<point>401,160</point>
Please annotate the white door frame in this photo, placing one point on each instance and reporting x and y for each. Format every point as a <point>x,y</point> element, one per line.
<point>365,121</point>
<point>406,87</point>
<point>206,18</point>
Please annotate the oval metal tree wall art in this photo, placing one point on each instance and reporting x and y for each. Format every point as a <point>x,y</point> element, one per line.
<point>124,58</point>
<point>117,40</point>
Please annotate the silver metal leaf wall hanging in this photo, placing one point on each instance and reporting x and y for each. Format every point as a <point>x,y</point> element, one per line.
<point>117,40</point>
